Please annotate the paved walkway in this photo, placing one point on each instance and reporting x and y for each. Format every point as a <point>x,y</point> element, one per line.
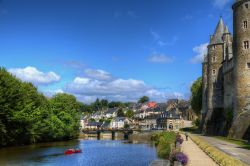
<point>229,148</point>
<point>196,156</point>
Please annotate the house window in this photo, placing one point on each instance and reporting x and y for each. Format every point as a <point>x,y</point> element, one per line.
<point>248,65</point>
<point>246,44</point>
<point>245,24</point>
<point>214,71</point>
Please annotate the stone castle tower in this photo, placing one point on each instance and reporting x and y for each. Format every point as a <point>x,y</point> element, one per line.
<point>241,10</point>
<point>226,77</point>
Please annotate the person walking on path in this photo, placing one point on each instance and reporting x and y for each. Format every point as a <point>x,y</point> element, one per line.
<point>186,134</point>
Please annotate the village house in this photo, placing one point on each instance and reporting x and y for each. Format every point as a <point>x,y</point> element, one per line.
<point>111,113</point>
<point>97,115</point>
<point>93,125</point>
<point>149,122</point>
<point>119,122</point>
<point>170,121</point>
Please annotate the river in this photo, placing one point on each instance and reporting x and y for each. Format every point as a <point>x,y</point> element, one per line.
<point>94,153</point>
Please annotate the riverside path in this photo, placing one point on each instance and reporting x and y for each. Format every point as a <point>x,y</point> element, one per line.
<point>195,155</point>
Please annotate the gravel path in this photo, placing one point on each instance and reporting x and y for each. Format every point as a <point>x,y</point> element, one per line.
<point>196,156</point>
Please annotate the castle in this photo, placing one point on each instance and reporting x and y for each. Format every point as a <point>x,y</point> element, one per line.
<point>226,77</point>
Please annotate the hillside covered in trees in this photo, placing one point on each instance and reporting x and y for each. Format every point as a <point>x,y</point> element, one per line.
<point>27,116</point>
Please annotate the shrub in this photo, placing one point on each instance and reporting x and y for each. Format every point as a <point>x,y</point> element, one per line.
<point>164,142</point>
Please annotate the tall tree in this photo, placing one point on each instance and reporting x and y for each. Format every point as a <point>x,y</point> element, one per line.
<point>120,113</point>
<point>196,98</point>
<point>27,116</point>
<point>130,113</point>
<point>143,99</point>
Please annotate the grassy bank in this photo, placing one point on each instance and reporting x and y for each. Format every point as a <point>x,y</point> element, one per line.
<point>164,142</point>
<point>218,156</point>
<point>241,143</point>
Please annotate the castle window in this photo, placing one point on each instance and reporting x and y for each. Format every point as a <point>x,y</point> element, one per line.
<point>246,5</point>
<point>213,47</point>
<point>245,24</point>
<point>246,44</point>
<point>214,59</point>
<point>214,72</point>
<point>248,65</point>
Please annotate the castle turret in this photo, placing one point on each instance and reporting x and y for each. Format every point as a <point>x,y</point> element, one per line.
<point>214,76</point>
<point>241,51</point>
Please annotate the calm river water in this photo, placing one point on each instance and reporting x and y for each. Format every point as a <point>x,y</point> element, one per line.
<point>94,153</point>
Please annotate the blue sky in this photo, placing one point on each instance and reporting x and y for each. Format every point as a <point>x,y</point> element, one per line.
<point>112,49</point>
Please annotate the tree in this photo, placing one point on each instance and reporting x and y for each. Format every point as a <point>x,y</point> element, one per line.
<point>66,108</point>
<point>104,103</point>
<point>120,113</point>
<point>143,99</point>
<point>126,126</point>
<point>115,104</point>
<point>130,113</point>
<point>196,98</point>
<point>27,116</point>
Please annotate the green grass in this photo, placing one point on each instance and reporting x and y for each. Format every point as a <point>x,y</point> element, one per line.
<point>241,143</point>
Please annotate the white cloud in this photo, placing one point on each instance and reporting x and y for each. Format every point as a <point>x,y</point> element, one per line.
<point>200,51</point>
<point>160,58</point>
<point>98,74</point>
<point>32,74</point>
<point>79,80</point>
<point>220,3</point>
<point>59,91</point>
<point>87,89</point>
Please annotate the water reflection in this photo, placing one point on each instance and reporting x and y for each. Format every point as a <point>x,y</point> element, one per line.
<point>94,153</point>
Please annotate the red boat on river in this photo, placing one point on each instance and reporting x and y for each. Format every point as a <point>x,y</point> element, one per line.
<point>72,151</point>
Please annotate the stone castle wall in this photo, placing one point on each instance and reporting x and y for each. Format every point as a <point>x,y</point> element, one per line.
<point>228,78</point>
<point>241,68</point>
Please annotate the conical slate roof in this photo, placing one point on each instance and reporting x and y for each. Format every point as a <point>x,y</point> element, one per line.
<point>226,30</point>
<point>219,31</point>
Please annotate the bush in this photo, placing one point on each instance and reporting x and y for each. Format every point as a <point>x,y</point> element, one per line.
<point>196,122</point>
<point>164,141</point>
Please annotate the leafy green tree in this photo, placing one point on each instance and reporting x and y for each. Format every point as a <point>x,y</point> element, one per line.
<point>130,113</point>
<point>114,104</point>
<point>66,108</point>
<point>126,126</point>
<point>196,98</point>
<point>143,99</point>
<point>92,120</point>
<point>104,103</point>
<point>120,113</point>
<point>27,116</point>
